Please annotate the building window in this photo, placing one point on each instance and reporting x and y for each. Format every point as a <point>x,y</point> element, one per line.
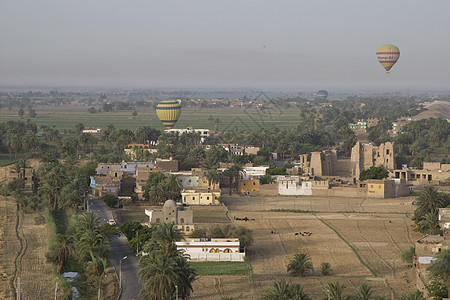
<point>158,220</point>
<point>254,183</point>
<point>371,186</point>
<point>193,198</point>
<point>207,198</point>
<point>182,220</point>
<point>227,250</point>
<point>387,151</point>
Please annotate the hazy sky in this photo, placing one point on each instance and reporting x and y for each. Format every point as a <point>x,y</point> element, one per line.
<point>264,44</point>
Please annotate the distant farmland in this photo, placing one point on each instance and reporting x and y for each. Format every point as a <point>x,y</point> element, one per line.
<point>65,117</point>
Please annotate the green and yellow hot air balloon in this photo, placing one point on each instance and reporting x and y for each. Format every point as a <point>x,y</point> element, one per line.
<point>168,112</point>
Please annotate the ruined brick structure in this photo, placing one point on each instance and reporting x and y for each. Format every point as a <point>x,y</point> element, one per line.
<point>363,156</point>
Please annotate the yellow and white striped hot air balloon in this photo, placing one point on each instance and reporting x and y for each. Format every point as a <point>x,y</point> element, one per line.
<point>168,112</point>
<point>387,56</point>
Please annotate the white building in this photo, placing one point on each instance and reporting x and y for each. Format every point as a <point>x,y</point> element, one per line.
<point>254,172</point>
<point>204,133</point>
<point>291,185</point>
<point>212,250</point>
<point>92,131</point>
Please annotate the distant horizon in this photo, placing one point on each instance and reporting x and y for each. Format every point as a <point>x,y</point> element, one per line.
<point>254,89</point>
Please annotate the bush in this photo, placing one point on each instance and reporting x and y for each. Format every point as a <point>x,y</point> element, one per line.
<point>374,173</point>
<point>266,179</point>
<point>111,200</point>
<point>407,255</point>
<point>129,229</point>
<point>325,268</point>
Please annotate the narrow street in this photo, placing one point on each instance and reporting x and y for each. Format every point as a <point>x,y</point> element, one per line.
<point>120,252</point>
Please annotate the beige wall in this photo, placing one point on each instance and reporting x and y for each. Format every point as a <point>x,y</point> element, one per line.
<point>200,198</point>
<point>248,185</point>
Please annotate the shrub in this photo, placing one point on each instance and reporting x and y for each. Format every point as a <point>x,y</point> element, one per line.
<point>111,200</point>
<point>408,254</point>
<point>325,268</point>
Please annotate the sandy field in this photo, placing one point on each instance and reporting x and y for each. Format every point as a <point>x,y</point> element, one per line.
<point>379,230</point>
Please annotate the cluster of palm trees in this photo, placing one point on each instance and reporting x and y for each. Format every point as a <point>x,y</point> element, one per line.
<point>62,187</point>
<point>426,214</point>
<point>158,188</point>
<point>301,265</point>
<point>283,290</point>
<point>165,271</point>
<point>84,243</point>
<point>19,137</point>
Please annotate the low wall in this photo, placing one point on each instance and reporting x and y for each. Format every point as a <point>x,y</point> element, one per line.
<point>217,256</point>
<point>339,192</point>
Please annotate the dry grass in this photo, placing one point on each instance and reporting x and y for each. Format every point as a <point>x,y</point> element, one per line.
<point>210,214</point>
<point>9,245</point>
<point>376,229</point>
<point>34,263</point>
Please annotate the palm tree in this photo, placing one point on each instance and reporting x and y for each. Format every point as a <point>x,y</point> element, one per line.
<point>166,234</point>
<point>229,174</point>
<point>96,265</point>
<point>440,267</point>
<point>364,292</point>
<point>24,164</point>
<point>65,250</point>
<point>72,194</point>
<point>429,222</point>
<point>429,200</point>
<point>237,171</point>
<point>172,188</point>
<point>91,240</point>
<point>300,265</point>
<point>213,175</point>
<point>48,189</point>
<point>334,291</point>
<point>161,273</point>
<point>88,221</point>
<point>415,295</point>
<point>325,268</point>
<point>60,252</point>
<point>282,290</point>
<point>55,176</point>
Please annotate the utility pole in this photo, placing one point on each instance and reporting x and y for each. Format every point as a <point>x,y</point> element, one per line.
<point>137,233</point>
<point>18,288</point>
<point>120,271</point>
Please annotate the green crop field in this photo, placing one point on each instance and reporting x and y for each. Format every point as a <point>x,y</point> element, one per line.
<point>65,117</point>
<point>207,268</point>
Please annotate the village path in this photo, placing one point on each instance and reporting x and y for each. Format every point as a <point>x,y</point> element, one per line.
<point>119,250</point>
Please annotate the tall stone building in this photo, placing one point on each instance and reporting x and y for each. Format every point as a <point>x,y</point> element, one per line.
<point>363,156</point>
